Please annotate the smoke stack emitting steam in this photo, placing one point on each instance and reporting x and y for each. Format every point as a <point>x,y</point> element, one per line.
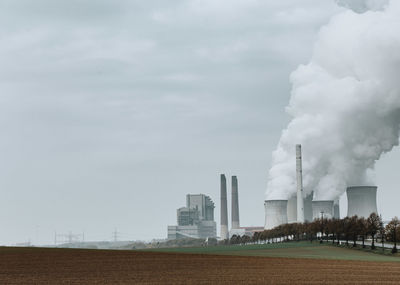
<point>345,103</point>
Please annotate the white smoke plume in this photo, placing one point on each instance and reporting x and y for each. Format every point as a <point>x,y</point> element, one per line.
<point>361,6</point>
<point>345,103</point>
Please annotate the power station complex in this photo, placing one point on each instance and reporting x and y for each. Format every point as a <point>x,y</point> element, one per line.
<point>299,208</point>
<point>196,220</point>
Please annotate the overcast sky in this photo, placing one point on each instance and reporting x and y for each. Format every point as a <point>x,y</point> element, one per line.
<point>112,111</point>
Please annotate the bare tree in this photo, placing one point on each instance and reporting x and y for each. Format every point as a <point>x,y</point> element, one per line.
<point>373,222</point>
<point>354,229</point>
<point>346,227</point>
<point>382,232</point>
<point>363,229</point>
<point>392,232</point>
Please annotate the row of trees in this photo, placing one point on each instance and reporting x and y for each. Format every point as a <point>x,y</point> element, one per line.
<point>348,229</point>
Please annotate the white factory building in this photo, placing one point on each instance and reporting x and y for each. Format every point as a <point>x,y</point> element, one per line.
<point>196,220</point>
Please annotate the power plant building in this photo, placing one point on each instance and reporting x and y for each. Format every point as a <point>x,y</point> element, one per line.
<point>300,207</point>
<point>247,231</point>
<point>196,220</point>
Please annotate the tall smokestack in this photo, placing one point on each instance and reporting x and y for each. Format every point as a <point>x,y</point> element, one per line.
<point>224,209</point>
<point>299,175</point>
<point>235,204</point>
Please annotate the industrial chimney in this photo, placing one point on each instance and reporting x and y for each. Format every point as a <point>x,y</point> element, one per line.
<point>299,176</point>
<point>224,209</point>
<point>275,213</point>
<point>361,201</point>
<point>235,204</point>
<point>322,209</point>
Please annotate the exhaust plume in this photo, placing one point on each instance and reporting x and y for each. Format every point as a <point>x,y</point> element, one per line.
<point>361,6</point>
<point>345,103</point>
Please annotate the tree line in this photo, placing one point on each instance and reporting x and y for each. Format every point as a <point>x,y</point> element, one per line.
<point>348,229</point>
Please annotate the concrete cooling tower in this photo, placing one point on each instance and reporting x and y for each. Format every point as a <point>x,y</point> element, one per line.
<point>275,213</point>
<point>292,210</point>
<point>322,209</point>
<point>308,214</point>
<point>336,210</point>
<point>361,201</point>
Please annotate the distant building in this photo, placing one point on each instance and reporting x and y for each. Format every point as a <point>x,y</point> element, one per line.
<point>196,220</point>
<point>248,231</point>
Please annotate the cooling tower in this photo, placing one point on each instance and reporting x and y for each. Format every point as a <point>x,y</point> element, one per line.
<point>275,213</point>
<point>292,210</point>
<point>336,210</point>
<point>361,201</point>
<point>322,209</point>
<point>308,214</point>
<point>299,177</point>
<point>224,209</point>
<point>235,204</point>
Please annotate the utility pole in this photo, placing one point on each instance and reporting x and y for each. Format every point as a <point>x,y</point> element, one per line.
<point>115,235</point>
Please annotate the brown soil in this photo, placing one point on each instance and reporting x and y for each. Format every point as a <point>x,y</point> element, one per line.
<point>69,266</point>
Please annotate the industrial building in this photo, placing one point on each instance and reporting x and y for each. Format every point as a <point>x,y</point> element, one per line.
<point>196,220</point>
<point>248,231</point>
<point>300,207</point>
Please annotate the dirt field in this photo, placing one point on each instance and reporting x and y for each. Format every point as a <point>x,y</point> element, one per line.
<point>69,266</point>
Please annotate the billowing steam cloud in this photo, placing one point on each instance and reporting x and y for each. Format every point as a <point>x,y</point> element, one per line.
<point>345,103</point>
<point>361,6</point>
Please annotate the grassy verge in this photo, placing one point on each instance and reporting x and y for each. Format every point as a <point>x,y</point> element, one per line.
<point>304,249</point>
<point>378,249</point>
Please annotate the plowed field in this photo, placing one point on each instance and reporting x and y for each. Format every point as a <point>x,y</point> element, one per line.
<point>72,266</point>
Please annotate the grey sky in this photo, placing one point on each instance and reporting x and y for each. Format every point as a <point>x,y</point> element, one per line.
<point>111,111</point>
